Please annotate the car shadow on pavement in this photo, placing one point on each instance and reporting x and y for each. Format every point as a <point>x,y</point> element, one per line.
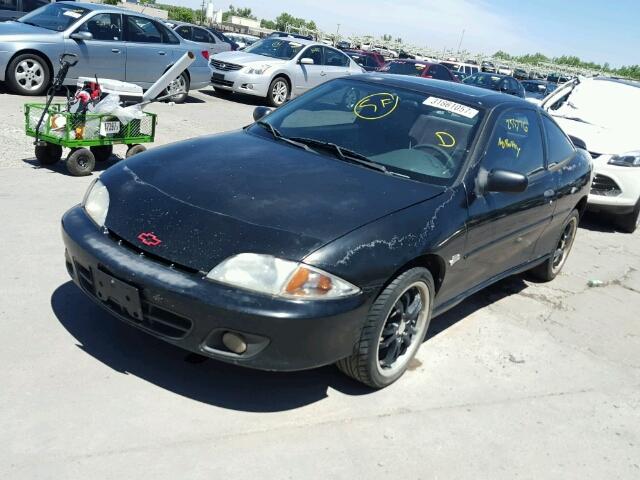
<point>130,351</point>
<point>236,98</point>
<point>597,223</point>
<point>502,289</point>
<point>60,167</point>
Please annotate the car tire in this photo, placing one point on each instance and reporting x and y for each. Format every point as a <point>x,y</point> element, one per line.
<point>180,83</point>
<point>629,222</point>
<point>28,74</point>
<point>48,154</point>
<point>278,92</point>
<point>386,323</point>
<point>80,162</point>
<point>134,150</point>
<point>102,153</point>
<point>551,267</point>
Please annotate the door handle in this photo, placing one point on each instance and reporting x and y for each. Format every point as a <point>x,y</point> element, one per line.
<point>322,74</point>
<point>549,193</point>
<point>115,50</point>
<point>161,52</point>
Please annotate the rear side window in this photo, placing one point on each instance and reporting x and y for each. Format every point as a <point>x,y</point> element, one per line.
<point>334,58</point>
<point>143,30</point>
<point>184,32</point>
<point>516,143</point>
<point>440,73</point>
<point>559,147</point>
<point>201,36</point>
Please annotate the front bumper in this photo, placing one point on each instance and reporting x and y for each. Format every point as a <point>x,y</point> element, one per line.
<point>191,312</point>
<point>240,82</point>
<point>614,189</point>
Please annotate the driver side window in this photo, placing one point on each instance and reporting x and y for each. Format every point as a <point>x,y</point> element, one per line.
<point>516,143</point>
<point>105,27</point>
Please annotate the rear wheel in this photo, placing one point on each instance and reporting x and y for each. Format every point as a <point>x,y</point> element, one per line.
<point>180,84</point>
<point>548,270</point>
<point>629,222</point>
<point>393,331</point>
<point>102,153</point>
<point>80,162</point>
<point>48,154</point>
<point>278,92</point>
<point>28,74</point>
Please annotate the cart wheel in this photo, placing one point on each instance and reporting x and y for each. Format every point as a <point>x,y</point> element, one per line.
<point>135,149</point>
<point>48,154</point>
<point>80,162</point>
<point>102,153</point>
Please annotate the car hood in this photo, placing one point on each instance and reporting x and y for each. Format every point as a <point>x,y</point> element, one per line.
<point>601,139</point>
<point>244,58</point>
<point>16,31</point>
<point>209,198</point>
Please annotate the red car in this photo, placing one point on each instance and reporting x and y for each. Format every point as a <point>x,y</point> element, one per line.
<point>418,68</point>
<point>370,61</point>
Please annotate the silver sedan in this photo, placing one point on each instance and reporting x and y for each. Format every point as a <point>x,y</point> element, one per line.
<point>109,42</point>
<point>279,68</point>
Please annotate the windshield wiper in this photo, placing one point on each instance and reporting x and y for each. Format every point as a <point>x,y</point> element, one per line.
<point>344,153</point>
<point>278,136</point>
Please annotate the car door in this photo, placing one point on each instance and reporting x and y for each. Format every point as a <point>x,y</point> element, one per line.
<point>336,64</point>
<point>309,76</point>
<point>105,54</point>
<point>503,228</point>
<point>148,53</point>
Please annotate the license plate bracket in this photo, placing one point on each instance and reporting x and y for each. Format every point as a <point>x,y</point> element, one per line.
<point>112,290</point>
<point>217,76</point>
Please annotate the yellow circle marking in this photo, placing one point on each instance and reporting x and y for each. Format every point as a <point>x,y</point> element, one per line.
<point>376,106</point>
<point>445,139</point>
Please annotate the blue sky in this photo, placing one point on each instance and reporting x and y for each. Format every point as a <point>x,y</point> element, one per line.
<point>594,30</point>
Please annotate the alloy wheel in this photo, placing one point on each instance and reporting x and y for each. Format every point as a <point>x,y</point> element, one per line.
<point>565,243</point>
<point>279,92</point>
<point>29,74</point>
<point>402,329</point>
<point>177,86</point>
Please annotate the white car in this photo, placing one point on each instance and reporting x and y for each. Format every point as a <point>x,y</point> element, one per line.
<point>504,70</point>
<point>242,40</point>
<point>603,112</point>
<point>466,68</point>
<point>278,68</point>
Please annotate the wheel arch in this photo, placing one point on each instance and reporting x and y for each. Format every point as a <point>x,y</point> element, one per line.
<point>581,206</point>
<point>432,262</point>
<point>285,77</point>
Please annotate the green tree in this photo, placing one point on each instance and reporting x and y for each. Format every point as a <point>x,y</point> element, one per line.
<point>237,12</point>
<point>110,2</point>
<point>181,14</point>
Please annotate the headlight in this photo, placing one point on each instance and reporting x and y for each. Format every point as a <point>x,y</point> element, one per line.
<point>629,159</point>
<point>283,278</point>
<point>259,70</point>
<point>96,202</point>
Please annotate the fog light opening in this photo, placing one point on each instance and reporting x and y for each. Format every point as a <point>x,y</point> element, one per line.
<point>234,342</point>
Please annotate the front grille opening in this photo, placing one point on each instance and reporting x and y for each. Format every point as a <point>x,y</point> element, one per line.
<point>130,246</point>
<point>224,66</point>
<point>224,83</point>
<point>606,186</point>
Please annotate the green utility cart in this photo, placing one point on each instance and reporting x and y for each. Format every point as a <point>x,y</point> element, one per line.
<point>89,136</point>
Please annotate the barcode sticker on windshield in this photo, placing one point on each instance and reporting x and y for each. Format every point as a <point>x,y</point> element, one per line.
<point>71,13</point>
<point>450,106</point>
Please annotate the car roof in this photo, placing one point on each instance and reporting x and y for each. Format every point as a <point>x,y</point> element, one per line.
<point>411,60</point>
<point>465,93</point>
<point>107,8</point>
<point>631,83</point>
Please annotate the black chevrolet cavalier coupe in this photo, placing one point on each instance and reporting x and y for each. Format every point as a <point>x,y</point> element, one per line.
<point>334,228</point>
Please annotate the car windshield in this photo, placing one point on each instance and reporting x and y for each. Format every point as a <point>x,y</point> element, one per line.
<point>417,135</point>
<point>404,68</point>
<point>275,48</point>
<point>55,16</point>
<point>483,80</point>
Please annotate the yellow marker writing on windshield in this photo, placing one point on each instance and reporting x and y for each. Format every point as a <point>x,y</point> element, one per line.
<point>376,106</point>
<point>445,139</point>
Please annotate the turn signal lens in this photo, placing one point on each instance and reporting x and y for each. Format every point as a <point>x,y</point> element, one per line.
<point>305,282</point>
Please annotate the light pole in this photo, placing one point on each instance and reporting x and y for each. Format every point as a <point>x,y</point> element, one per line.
<point>460,42</point>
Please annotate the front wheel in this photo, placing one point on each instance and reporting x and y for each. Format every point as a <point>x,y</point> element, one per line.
<point>393,331</point>
<point>28,74</point>
<point>548,270</point>
<point>134,150</point>
<point>278,92</point>
<point>81,162</point>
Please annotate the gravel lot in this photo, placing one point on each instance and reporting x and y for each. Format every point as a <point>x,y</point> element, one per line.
<point>522,380</point>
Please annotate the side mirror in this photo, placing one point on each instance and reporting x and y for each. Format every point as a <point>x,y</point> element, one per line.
<point>505,181</point>
<point>306,61</point>
<point>81,36</point>
<point>260,112</point>
<point>578,142</point>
